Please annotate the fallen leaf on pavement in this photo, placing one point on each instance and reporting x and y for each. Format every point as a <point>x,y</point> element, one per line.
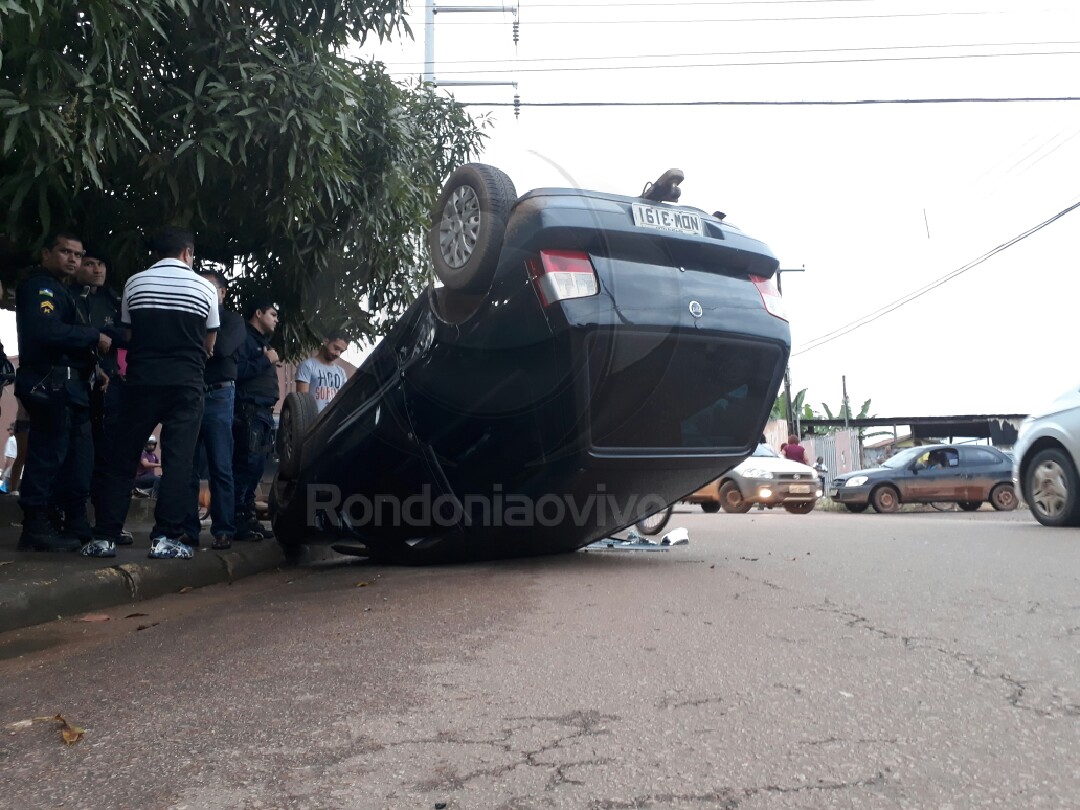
<point>21,724</point>
<point>133,615</point>
<point>68,733</point>
<point>363,584</point>
<point>185,589</point>
<point>94,617</point>
<point>7,562</point>
<point>146,626</point>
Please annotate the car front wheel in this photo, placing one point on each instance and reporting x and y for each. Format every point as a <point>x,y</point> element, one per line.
<point>1003,497</point>
<point>1052,489</point>
<point>885,499</point>
<point>800,508</point>
<point>731,498</point>
<point>857,507</point>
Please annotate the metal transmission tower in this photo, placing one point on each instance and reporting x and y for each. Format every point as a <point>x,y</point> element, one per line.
<point>430,10</point>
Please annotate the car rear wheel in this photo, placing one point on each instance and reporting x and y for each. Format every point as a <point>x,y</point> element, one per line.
<point>885,499</point>
<point>467,226</point>
<point>1052,489</point>
<point>731,498</point>
<point>857,507</point>
<point>298,414</point>
<point>969,506</point>
<point>800,508</point>
<point>1003,497</point>
<point>710,507</point>
<point>655,522</point>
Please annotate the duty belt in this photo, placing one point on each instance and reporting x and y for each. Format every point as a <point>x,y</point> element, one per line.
<point>219,385</point>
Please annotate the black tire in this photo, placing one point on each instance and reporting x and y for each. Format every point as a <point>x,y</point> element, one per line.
<point>298,414</point>
<point>969,506</point>
<point>857,508</point>
<point>885,499</point>
<point>710,507</point>
<point>467,226</point>
<point>1003,497</point>
<point>1052,488</point>
<point>804,508</point>
<point>654,523</point>
<point>731,499</point>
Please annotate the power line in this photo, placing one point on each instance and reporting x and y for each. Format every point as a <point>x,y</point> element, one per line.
<point>921,14</point>
<point>692,3</point>
<point>743,53</point>
<point>803,103</point>
<point>850,327</point>
<point>698,65</point>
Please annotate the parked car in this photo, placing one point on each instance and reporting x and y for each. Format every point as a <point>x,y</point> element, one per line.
<point>966,475</point>
<point>1047,454</point>
<point>589,359</point>
<point>765,478</point>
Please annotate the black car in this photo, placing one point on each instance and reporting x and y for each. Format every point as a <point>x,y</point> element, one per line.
<point>589,359</point>
<point>967,475</point>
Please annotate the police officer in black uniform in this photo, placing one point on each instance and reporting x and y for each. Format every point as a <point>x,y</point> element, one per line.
<point>100,307</point>
<point>256,392</point>
<point>57,360</point>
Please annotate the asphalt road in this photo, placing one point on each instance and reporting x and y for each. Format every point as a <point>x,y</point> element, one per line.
<point>778,661</point>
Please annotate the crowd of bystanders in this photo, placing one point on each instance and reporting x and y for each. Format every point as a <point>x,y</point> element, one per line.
<point>98,372</point>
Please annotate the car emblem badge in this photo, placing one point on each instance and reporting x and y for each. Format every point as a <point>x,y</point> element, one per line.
<point>696,310</point>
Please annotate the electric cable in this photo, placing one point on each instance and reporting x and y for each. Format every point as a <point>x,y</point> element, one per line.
<point>881,312</point>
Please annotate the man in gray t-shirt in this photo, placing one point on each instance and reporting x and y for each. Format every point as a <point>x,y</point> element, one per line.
<point>320,375</point>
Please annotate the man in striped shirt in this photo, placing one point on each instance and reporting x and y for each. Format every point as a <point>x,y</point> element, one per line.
<point>172,315</point>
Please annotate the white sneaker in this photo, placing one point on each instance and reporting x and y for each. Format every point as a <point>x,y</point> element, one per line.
<point>164,548</point>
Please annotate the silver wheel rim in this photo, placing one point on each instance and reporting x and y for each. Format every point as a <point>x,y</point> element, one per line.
<point>652,521</point>
<point>459,227</point>
<point>1049,489</point>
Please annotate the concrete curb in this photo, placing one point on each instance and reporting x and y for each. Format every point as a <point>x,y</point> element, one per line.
<point>42,599</point>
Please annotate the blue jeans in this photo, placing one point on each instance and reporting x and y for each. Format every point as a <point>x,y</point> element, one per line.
<point>216,442</point>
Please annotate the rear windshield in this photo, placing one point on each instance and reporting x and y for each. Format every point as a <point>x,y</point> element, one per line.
<point>677,392</point>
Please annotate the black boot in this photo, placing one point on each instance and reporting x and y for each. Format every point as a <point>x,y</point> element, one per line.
<point>248,529</point>
<point>77,526</point>
<point>39,534</point>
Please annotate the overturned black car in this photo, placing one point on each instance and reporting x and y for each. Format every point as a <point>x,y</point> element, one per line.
<point>588,359</point>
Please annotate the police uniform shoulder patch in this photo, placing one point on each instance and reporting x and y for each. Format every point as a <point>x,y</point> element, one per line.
<point>47,307</point>
<point>45,291</point>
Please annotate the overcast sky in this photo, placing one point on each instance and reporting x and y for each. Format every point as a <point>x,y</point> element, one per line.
<point>876,201</point>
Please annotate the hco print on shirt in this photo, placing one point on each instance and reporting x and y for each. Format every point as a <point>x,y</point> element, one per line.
<point>324,381</point>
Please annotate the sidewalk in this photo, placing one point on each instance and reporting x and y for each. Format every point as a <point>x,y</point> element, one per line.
<point>38,587</point>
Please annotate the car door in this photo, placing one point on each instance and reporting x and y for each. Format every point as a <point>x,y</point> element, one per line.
<point>980,469</point>
<point>935,483</point>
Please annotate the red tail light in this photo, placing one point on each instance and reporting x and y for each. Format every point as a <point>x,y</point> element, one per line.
<point>770,296</point>
<point>561,274</point>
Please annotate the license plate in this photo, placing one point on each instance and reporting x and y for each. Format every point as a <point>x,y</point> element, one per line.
<point>667,219</point>
<point>799,489</point>
<point>833,493</point>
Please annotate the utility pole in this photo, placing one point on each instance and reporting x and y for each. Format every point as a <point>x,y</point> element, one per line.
<point>846,407</point>
<point>430,10</point>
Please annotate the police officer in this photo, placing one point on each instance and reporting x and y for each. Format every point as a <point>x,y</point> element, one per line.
<point>256,392</point>
<point>57,358</point>
<point>100,307</point>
